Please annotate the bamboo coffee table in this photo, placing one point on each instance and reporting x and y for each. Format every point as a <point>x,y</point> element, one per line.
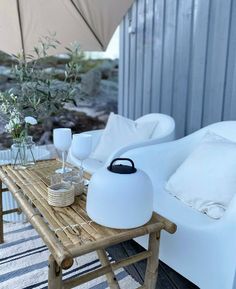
<point>69,232</point>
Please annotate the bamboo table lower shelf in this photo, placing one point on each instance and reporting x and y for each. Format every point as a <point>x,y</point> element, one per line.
<point>69,232</point>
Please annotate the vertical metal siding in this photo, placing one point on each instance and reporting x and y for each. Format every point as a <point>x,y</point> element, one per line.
<point>179,57</point>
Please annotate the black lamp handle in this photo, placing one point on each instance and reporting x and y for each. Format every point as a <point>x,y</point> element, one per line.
<point>121,159</point>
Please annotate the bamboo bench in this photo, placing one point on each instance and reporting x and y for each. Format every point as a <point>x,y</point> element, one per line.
<point>69,233</point>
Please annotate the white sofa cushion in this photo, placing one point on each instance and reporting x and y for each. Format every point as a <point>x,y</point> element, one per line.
<point>206,180</point>
<point>120,132</point>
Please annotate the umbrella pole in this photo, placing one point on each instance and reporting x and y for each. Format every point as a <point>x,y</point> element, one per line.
<point>21,30</point>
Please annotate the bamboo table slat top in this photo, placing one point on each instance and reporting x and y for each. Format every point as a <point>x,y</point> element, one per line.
<point>71,225</point>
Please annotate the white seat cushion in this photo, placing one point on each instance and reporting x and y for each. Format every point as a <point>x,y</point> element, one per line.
<point>206,180</point>
<point>173,209</point>
<point>120,132</point>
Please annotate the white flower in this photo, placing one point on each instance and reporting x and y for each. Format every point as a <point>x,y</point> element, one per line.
<point>12,124</point>
<point>30,120</point>
<point>14,113</point>
<point>14,97</point>
<point>15,120</point>
<point>3,108</point>
<point>8,128</point>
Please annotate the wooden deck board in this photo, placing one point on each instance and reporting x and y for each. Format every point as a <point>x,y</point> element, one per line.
<point>167,277</point>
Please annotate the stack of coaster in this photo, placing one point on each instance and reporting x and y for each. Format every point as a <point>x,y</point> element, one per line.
<point>61,195</point>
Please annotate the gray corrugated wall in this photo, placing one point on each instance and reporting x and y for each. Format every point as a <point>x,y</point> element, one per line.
<point>179,57</point>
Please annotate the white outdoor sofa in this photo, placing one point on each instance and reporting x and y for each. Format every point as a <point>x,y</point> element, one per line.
<point>164,132</point>
<point>203,249</point>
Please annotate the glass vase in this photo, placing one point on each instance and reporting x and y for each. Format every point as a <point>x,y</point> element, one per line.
<point>22,153</point>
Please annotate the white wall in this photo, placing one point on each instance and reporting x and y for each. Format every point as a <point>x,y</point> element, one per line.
<point>179,60</point>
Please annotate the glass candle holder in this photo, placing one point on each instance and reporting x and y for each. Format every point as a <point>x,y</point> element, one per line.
<point>77,182</point>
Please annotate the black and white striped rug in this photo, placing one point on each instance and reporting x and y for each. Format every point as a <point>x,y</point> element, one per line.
<point>23,263</point>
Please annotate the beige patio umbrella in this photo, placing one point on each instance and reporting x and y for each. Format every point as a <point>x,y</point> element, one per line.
<point>89,22</point>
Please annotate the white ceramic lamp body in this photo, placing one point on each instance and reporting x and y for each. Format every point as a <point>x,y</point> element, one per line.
<point>121,201</point>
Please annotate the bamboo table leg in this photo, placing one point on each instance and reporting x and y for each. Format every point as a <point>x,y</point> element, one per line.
<point>1,215</point>
<point>111,278</point>
<point>152,262</point>
<point>54,274</point>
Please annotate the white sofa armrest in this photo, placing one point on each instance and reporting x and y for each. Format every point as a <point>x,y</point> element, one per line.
<point>142,144</point>
<point>162,159</point>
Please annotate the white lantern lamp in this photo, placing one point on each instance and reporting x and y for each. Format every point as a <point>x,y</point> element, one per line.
<point>120,196</point>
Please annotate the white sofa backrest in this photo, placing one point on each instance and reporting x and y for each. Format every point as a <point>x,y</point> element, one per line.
<point>187,144</point>
<point>166,124</point>
<point>225,129</point>
<point>151,158</point>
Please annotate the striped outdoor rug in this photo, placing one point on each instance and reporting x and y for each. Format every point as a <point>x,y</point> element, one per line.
<point>23,262</point>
